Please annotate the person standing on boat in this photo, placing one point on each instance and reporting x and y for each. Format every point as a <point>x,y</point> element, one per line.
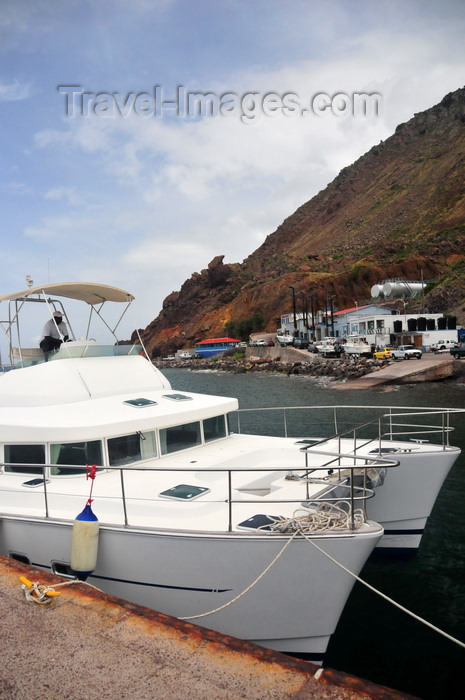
<point>55,331</point>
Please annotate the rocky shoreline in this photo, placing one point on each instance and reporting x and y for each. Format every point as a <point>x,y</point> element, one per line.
<point>340,369</point>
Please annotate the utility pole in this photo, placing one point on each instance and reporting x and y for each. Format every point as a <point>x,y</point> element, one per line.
<point>305,313</point>
<point>312,298</point>
<point>294,311</point>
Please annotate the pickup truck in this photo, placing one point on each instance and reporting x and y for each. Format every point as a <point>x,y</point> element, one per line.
<point>406,352</point>
<point>458,351</point>
<point>445,344</point>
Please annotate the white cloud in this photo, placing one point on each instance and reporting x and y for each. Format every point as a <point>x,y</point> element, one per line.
<point>69,194</point>
<point>165,255</point>
<point>15,91</point>
<point>51,228</point>
<point>19,188</point>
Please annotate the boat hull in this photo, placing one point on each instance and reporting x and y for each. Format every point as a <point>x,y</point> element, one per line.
<point>403,503</point>
<point>293,607</point>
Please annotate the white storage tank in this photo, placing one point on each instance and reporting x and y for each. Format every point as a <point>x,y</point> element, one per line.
<point>402,289</point>
<point>376,291</point>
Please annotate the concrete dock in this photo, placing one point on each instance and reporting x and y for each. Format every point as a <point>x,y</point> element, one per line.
<point>432,367</point>
<point>91,646</point>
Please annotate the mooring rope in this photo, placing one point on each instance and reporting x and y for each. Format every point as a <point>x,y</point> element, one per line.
<point>38,593</point>
<point>226,605</point>
<point>325,517</point>
<point>310,524</point>
<point>386,597</point>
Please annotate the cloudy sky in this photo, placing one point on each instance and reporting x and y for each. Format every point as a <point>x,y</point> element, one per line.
<point>102,180</point>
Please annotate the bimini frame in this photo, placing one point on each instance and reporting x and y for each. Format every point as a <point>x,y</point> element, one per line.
<point>95,295</point>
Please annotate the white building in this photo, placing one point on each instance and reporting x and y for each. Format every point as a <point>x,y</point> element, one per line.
<point>379,325</point>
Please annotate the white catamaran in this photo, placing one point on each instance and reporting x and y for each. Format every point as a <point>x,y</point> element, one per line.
<point>197,518</point>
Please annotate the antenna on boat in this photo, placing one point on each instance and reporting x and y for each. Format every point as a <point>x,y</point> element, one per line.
<point>29,280</point>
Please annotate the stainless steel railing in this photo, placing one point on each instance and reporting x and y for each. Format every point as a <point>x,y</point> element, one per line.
<point>348,491</point>
<point>388,425</point>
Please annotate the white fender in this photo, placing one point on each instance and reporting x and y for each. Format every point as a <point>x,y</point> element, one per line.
<point>84,544</point>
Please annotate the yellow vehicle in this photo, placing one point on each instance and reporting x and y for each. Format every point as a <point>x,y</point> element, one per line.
<point>383,354</point>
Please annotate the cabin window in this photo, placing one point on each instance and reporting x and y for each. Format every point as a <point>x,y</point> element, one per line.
<point>180,437</point>
<point>214,428</point>
<point>78,453</point>
<point>24,454</point>
<point>132,448</point>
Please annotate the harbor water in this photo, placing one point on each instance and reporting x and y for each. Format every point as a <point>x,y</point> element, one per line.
<point>375,640</point>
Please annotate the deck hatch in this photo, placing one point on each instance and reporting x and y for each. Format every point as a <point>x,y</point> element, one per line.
<point>177,397</point>
<point>140,403</point>
<point>184,492</point>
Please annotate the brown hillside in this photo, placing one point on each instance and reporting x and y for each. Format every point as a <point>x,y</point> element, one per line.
<point>398,211</point>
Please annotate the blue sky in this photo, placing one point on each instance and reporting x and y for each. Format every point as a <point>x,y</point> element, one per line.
<point>143,201</point>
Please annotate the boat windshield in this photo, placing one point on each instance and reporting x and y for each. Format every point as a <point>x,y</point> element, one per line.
<point>25,357</point>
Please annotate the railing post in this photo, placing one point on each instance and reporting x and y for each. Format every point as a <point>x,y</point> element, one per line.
<point>352,519</point>
<point>307,475</point>
<point>45,493</point>
<point>229,501</point>
<point>121,471</point>
<point>285,422</point>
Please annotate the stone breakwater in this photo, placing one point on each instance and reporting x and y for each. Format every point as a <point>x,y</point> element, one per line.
<point>331,369</point>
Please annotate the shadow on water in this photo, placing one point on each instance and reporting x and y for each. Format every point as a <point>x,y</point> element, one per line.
<point>374,640</point>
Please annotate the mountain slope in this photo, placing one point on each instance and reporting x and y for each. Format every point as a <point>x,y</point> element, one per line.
<point>398,211</point>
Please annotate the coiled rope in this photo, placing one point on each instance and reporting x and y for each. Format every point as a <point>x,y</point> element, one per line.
<point>325,517</point>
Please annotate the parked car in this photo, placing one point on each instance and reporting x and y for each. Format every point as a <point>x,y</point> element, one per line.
<point>458,351</point>
<point>406,352</point>
<point>444,344</point>
<point>383,353</point>
<point>312,346</point>
<point>301,343</point>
